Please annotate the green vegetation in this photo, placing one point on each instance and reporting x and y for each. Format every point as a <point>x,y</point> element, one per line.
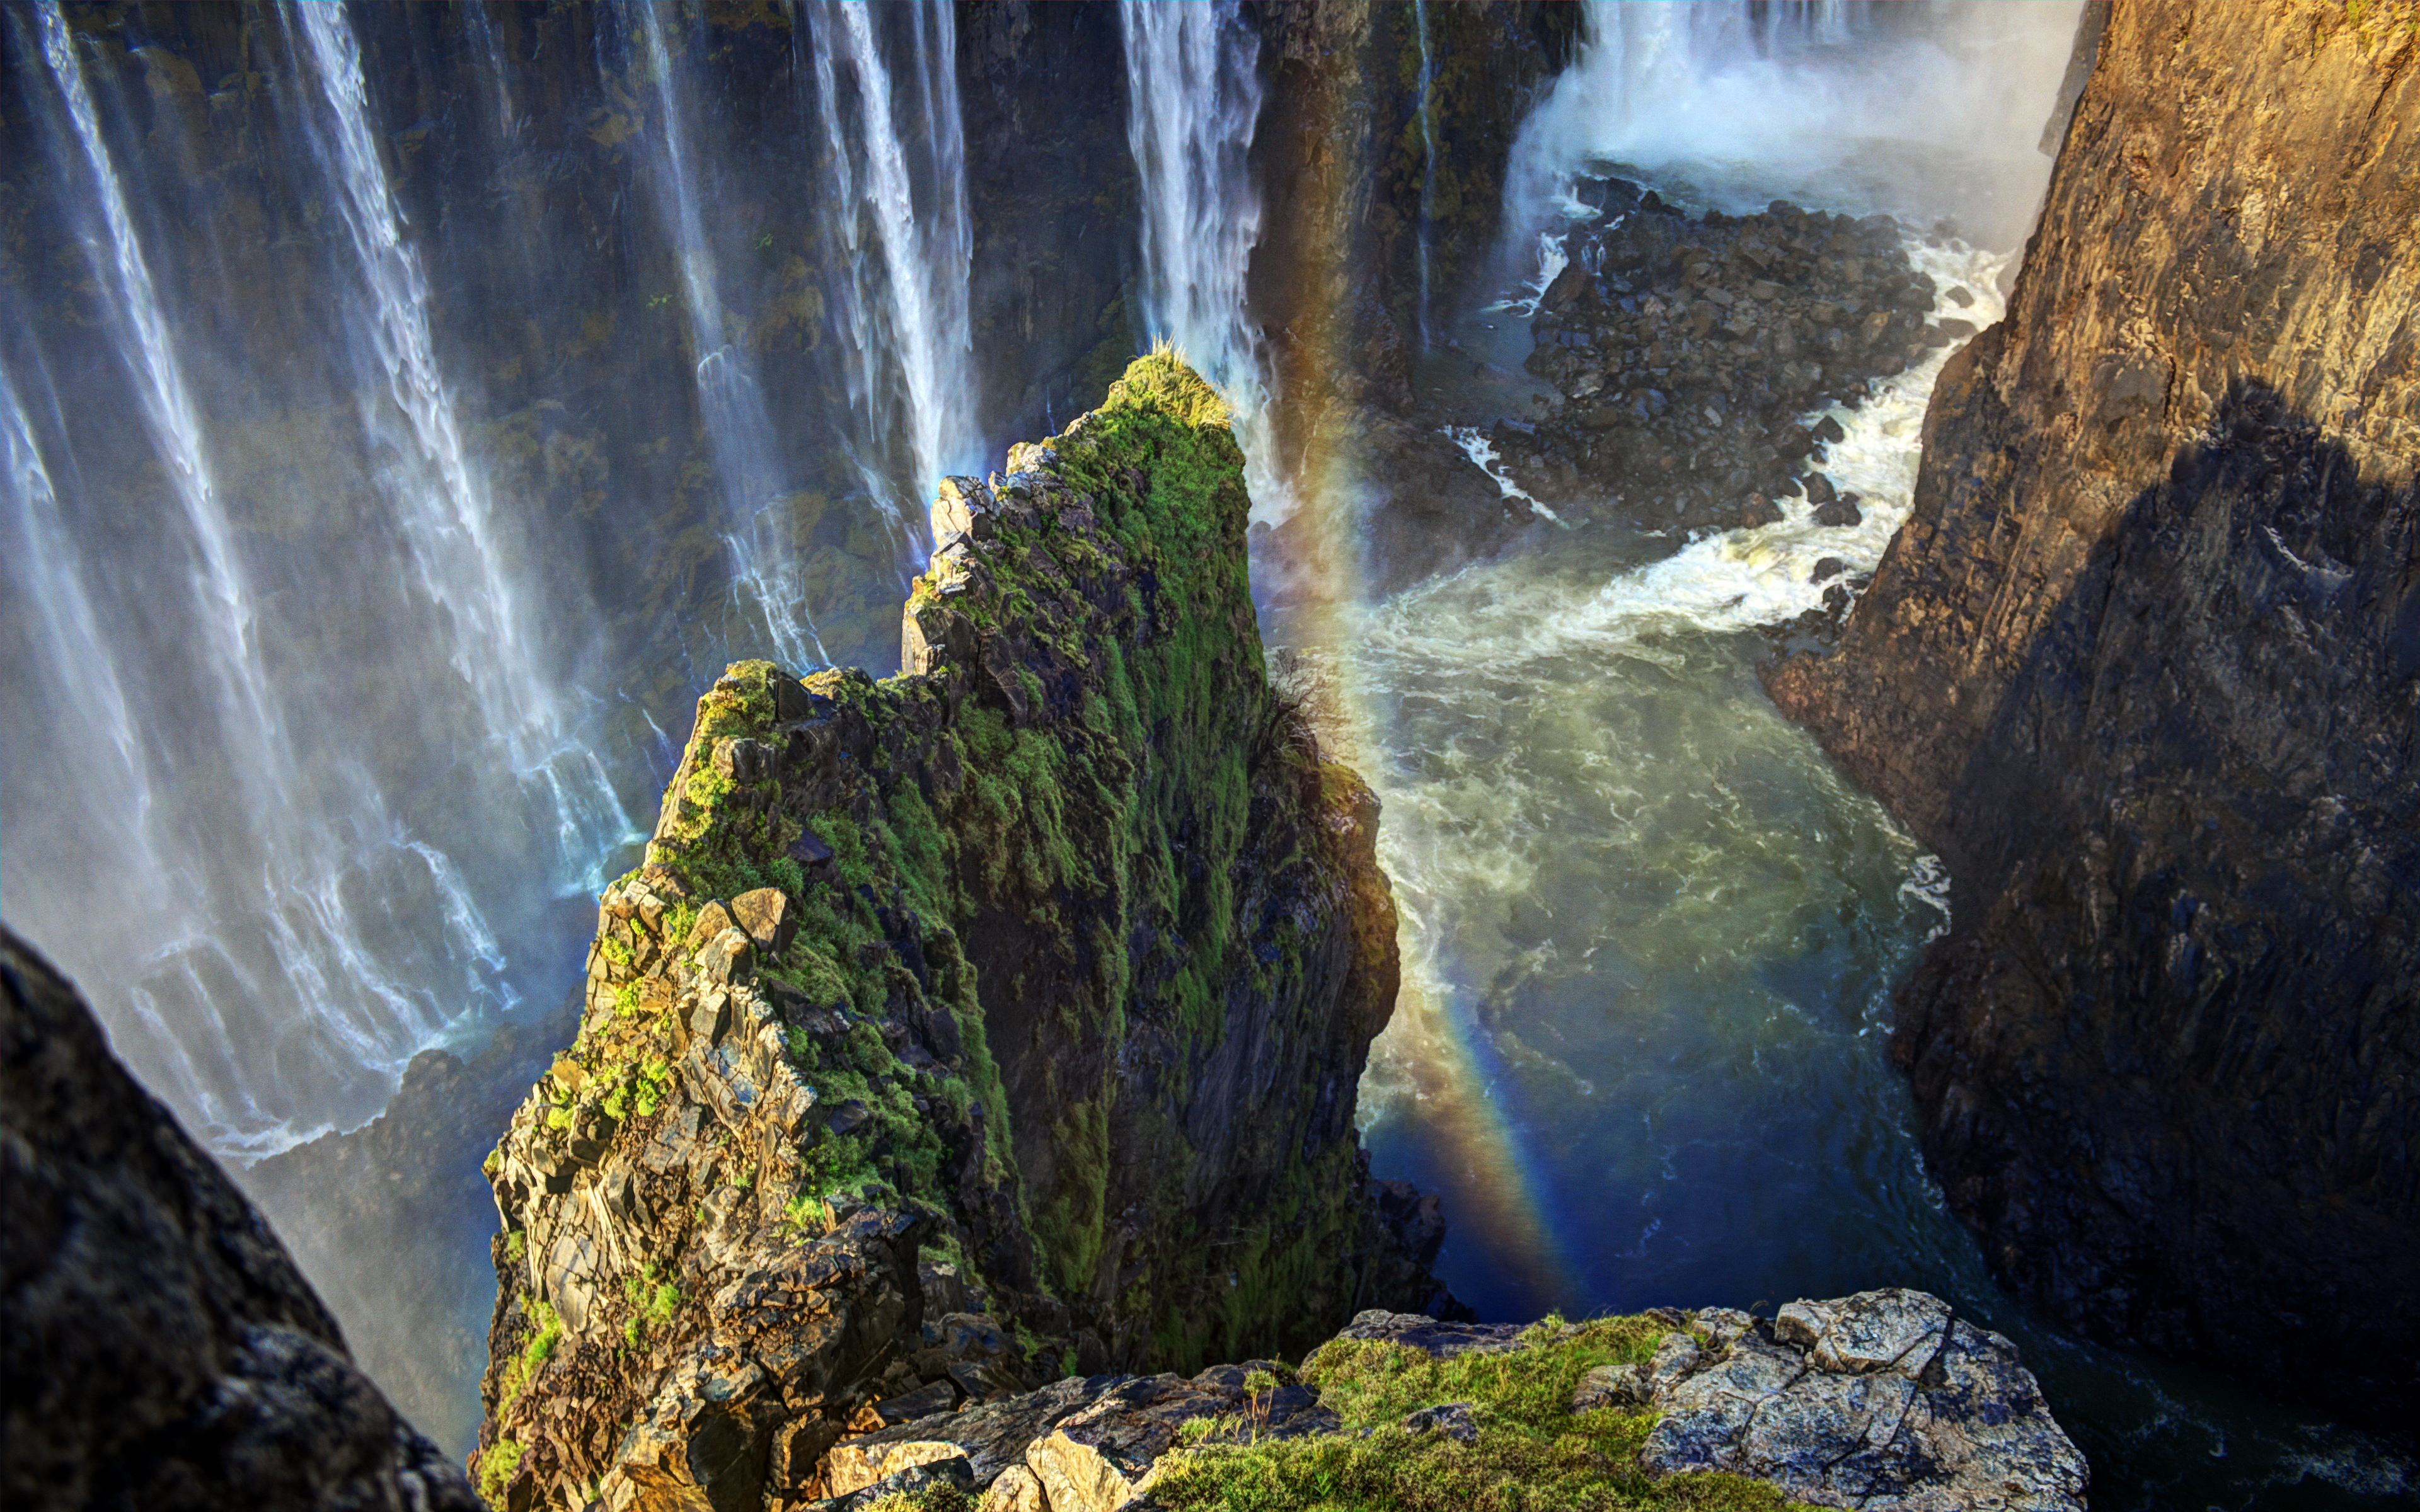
<point>1106,797</point>
<point>496,1467</point>
<point>1531,1452</point>
<point>545,1331</point>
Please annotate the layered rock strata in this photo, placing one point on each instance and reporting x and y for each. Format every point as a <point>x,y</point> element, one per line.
<point>1883,1400</point>
<point>1059,954</point>
<point>2145,669</point>
<point>161,1349</point>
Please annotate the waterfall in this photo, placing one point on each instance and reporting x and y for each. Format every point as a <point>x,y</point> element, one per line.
<point>1428,157</point>
<point>739,428</point>
<point>283,717</point>
<point>274,1019</point>
<point>436,491</point>
<point>1194,96</point>
<point>904,297</point>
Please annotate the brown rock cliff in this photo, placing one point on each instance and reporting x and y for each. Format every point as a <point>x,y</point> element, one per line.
<point>2142,668</point>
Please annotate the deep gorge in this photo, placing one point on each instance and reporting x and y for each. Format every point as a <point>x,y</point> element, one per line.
<point>414,411</point>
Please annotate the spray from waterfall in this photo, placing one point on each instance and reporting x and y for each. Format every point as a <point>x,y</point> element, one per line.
<point>903,295</point>
<point>436,491</point>
<point>267,1001</point>
<point>1924,113</point>
<point>739,428</point>
<point>1194,97</point>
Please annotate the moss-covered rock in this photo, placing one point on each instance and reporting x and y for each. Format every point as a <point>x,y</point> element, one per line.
<point>1064,948</point>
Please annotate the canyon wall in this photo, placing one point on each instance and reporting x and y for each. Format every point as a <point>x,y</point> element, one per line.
<point>1059,954</point>
<point>2145,669</point>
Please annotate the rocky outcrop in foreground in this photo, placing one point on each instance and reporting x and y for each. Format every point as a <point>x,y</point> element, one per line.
<point>161,1350</point>
<point>1056,957</point>
<point>2144,668</point>
<point>1884,1400</point>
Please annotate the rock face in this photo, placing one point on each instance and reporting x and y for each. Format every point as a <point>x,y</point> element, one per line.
<point>2145,669</point>
<point>1060,953</point>
<point>161,1350</point>
<point>1882,1400</point>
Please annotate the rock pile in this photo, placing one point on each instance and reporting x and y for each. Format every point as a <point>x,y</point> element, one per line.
<point>1686,351</point>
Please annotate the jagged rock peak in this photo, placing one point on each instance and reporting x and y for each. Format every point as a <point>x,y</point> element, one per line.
<point>1056,957</point>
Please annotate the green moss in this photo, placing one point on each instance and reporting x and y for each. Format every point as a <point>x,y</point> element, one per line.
<point>1531,1452</point>
<point>496,1467</point>
<point>1118,825</point>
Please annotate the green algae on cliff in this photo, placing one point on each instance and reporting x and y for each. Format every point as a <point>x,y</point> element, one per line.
<point>1065,943</point>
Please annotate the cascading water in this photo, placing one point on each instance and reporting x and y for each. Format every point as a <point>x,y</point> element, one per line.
<point>1427,87</point>
<point>1193,95</point>
<point>911,345</point>
<point>748,464</point>
<point>434,488</point>
<point>248,982</point>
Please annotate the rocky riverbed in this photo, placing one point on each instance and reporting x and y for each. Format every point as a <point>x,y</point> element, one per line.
<point>1686,353</point>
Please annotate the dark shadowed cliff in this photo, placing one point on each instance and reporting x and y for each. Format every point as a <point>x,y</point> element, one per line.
<point>2145,668</point>
<point>161,1350</point>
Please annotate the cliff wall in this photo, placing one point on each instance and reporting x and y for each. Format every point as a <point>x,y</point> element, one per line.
<point>2145,668</point>
<point>160,1348</point>
<point>1357,179</point>
<point>1060,953</point>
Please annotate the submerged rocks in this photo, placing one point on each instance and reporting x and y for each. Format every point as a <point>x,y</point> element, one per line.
<point>1684,351</point>
<point>161,1349</point>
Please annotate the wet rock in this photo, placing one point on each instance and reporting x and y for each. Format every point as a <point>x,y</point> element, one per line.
<point>160,1348</point>
<point>1759,510</point>
<point>1819,488</point>
<point>1842,511</point>
<point>1827,568</point>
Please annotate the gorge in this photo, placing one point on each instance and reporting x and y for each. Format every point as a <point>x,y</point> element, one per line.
<point>417,410</point>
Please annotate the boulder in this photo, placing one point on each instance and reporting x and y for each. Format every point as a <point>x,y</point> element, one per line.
<point>1884,1400</point>
<point>160,1348</point>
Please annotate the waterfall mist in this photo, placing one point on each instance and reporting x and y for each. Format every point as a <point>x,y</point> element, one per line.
<point>1928,112</point>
